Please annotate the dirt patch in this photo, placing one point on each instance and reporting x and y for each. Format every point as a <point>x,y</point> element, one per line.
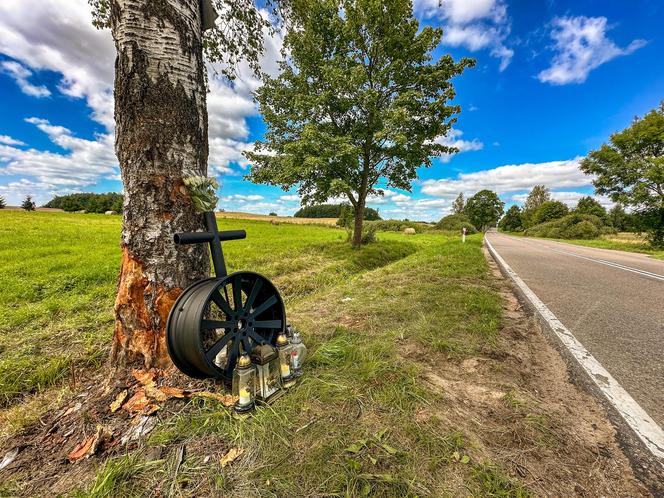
<point>518,407</point>
<point>106,416</point>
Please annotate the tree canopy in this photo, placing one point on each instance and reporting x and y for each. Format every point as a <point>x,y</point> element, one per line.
<point>630,170</point>
<point>459,204</point>
<point>28,204</point>
<point>359,98</point>
<point>512,221</point>
<point>548,211</point>
<point>484,209</point>
<point>588,205</point>
<point>537,196</point>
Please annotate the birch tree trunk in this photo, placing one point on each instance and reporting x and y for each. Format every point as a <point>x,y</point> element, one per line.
<point>160,137</point>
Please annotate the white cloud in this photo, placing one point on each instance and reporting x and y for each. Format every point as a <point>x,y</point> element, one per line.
<point>581,45</point>
<point>243,198</point>
<point>67,43</point>
<point>473,24</point>
<point>21,75</point>
<point>7,140</point>
<point>511,178</point>
<point>290,198</point>
<point>84,163</point>
<point>453,139</point>
<point>59,36</point>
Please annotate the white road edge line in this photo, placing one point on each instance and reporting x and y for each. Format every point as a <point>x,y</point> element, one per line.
<point>638,420</point>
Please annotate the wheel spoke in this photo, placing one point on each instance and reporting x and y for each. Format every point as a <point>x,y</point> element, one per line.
<point>255,336</point>
<point>232,358</point>
<point>216,324</point>
<point>237,293</point>
<point>253,294</point>
<point>267,324</point>
<point>247,345</point>
<point>223,305</point>
<point>257,311</point>
<point>218,346</point>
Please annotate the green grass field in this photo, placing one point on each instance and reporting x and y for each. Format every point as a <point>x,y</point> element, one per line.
<point>356,309</point>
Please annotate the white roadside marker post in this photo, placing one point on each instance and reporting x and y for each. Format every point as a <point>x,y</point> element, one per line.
<point>463,235</point>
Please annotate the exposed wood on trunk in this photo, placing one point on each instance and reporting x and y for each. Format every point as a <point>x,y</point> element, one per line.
<point>161,137</point>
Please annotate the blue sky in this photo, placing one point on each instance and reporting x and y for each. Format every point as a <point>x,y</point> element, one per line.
<point>553,80</point>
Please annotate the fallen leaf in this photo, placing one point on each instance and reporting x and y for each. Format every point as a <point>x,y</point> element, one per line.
<point>465,459</point>
<point>231,455</point>
<point>89,446</point>
<point>224,399</point>
<point>119,399</point>
<point>155,393</point>
<point>150,409</point>
<point>9,457</point>
<point>81,449</point>
<point>174,392</point>
<point>137,402</point>
<point>145,377</point>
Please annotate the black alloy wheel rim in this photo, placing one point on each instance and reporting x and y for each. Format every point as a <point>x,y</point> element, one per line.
<point>232,314</point>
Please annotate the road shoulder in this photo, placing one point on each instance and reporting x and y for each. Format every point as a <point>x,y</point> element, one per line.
<point>641,439</point>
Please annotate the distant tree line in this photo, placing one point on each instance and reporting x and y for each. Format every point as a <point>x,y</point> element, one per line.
<point>545,217</point>
<point>88,202</point>
<point>333,211</point>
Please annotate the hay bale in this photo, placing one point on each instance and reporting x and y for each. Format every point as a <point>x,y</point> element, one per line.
<point>110,212</point>
<point>409,231</point>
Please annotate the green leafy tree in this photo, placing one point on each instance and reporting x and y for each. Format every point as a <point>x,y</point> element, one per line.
<point>512,221</point>
<point>588,205</point>
<point>484,209</point>
<point>28,204</point>
<point>623,221</point>
<point>550,210</point>
<point>459,204</point>
<point>359,98</point>
<point>3,204</point>
<point>537,196</point>
<point>630,170</point>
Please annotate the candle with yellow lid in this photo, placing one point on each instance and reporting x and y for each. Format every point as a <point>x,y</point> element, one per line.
<point>244,378</point>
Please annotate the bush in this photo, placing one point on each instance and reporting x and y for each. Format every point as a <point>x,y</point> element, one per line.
<point>568,227</point>
<point>272,214</point>
<point>397,226</point>
<point>88,202</point>
<point>582,230</point>
<point>455,223</point>
<point>331,211</point>
<point>549,211</point>
<point>2,202</point>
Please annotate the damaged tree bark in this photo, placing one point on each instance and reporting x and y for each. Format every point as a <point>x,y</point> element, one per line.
<point>161,137</point>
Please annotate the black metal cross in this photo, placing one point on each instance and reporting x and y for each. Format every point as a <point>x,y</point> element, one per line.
<point>214,237</point>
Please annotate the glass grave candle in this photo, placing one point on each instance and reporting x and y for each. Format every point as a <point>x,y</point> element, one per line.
<point>268,373</point>
<point>298,353</point>
<point>284,348</point>
<point>244,380</point>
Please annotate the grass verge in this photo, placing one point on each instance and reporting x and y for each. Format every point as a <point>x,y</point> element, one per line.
<point>351,427</point>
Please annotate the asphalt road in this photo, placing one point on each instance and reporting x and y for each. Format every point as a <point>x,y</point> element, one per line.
<point>612,301</point>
